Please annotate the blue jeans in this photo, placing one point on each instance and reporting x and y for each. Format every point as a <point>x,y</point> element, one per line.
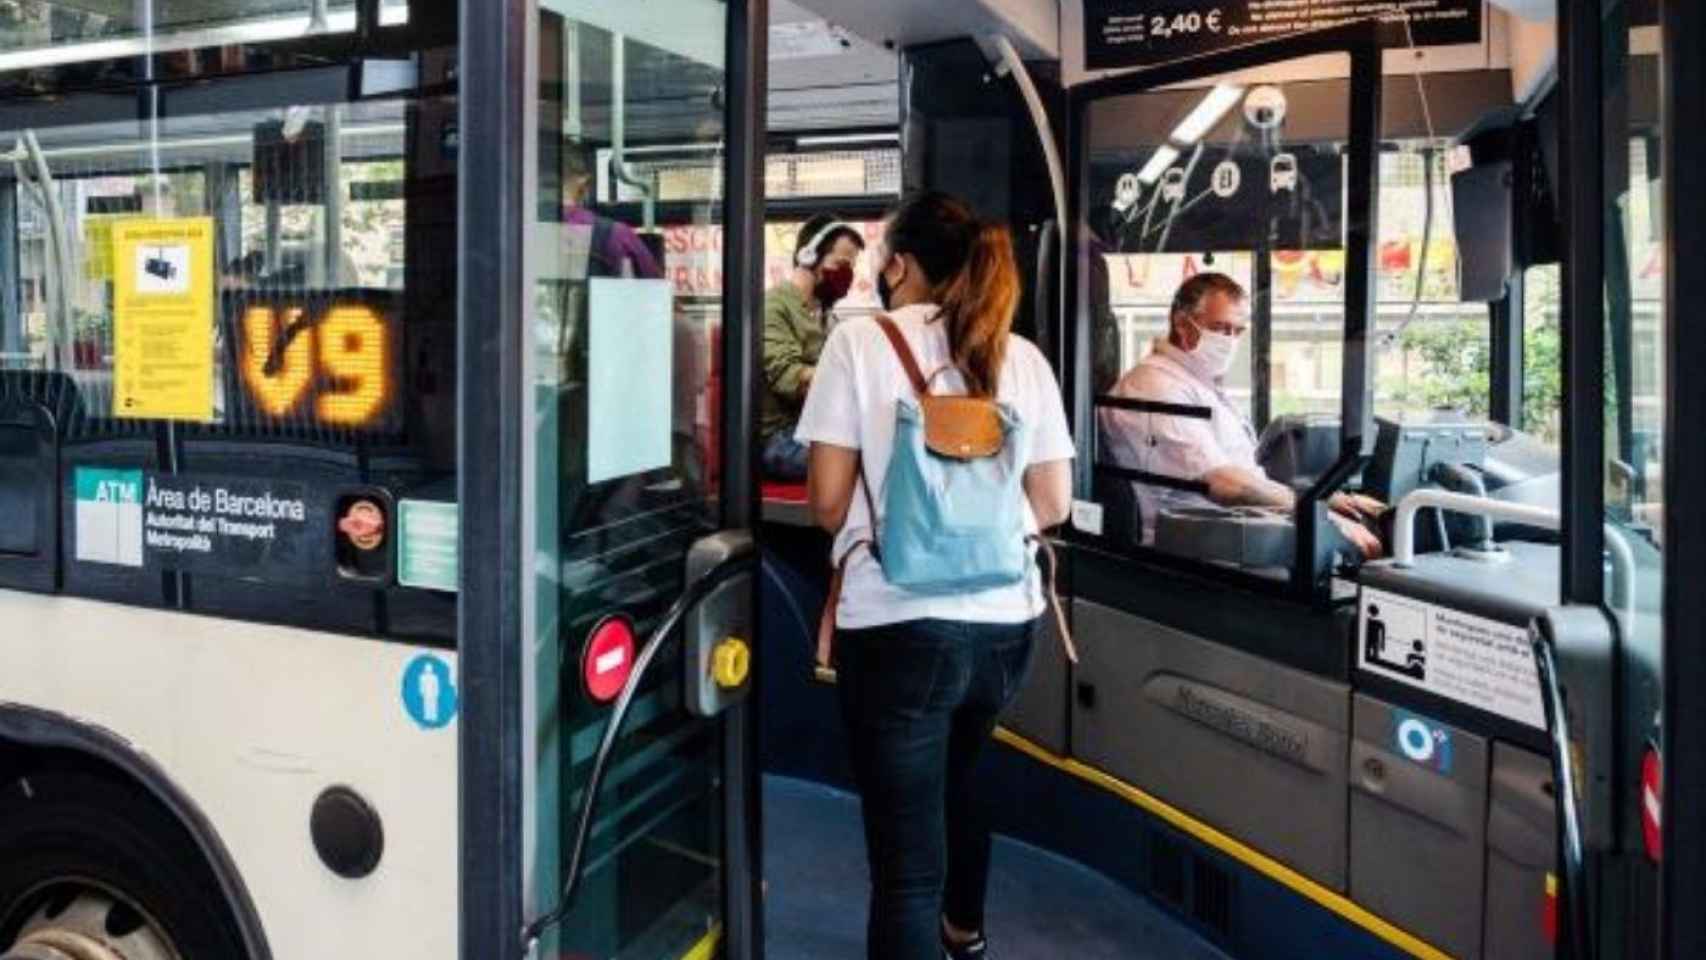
<point>784,457</point>
<point>919,700</point>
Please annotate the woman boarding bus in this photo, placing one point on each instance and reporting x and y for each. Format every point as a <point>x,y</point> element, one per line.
<point>932,640</point>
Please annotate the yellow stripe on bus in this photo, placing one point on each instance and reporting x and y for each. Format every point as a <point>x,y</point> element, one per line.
<point>1250,857</point>
<point>707,946</point>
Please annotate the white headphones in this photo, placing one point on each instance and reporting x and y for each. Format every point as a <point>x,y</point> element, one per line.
<point>807,255</point>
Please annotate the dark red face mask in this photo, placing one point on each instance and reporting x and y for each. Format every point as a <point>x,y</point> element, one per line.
<point>834,283</point>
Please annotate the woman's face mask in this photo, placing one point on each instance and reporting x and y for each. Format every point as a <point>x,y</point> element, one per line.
<point>833,283</point>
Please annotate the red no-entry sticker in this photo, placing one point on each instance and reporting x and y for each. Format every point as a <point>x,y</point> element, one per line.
<point>608,659</point>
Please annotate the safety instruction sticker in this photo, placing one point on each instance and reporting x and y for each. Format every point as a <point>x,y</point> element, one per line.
<point>163,318</point>
<point>1475,661</point>
<point>428,544</point>
<point>109,516</point>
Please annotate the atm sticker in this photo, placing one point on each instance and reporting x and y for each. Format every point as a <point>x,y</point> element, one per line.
<point>1475,661</point>
<point>109,516</point>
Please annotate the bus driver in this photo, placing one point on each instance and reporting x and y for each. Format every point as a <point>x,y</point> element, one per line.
<point>1216,452</point>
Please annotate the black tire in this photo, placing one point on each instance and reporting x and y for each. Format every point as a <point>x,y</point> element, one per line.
<point>57,825</point>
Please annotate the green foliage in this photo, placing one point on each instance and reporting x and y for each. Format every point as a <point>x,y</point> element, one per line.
<point>1459,363</point>
<point>1457,358</point>
<point>1543,380</point>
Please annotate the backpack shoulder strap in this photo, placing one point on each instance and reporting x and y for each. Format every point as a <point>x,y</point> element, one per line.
<point>897,340</point>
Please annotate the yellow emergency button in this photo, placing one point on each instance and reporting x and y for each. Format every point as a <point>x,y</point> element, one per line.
<point>731,661</point>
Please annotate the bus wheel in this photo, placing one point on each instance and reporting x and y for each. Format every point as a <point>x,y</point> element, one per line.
<point>93,869</point>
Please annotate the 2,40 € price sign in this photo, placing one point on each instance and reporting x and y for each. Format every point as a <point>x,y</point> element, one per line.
<point>1185,24</point>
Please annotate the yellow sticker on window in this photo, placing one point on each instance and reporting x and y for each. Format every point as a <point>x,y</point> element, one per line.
<point>98,244</point>
<point>163,319</point>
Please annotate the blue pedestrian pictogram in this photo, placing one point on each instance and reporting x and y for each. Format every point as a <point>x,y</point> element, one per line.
<point>429,692</point>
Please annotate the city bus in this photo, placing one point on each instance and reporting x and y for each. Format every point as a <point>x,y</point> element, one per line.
<point>386,569</point>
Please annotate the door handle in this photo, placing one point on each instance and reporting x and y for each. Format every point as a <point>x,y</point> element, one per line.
<point>737,555</point>
<point>1575,648</point>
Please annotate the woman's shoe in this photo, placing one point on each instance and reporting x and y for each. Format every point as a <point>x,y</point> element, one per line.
<point>974,949</point>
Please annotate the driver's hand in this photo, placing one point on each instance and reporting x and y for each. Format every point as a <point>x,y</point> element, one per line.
<point>1360,536</point>
<point>1355,506</point>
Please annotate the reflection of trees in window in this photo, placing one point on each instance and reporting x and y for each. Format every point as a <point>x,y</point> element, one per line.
<point>372,229</point>
<point>1456,359</point>
<point>1542,351</point>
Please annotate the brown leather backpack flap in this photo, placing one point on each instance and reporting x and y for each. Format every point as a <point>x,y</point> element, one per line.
<point>964,428</point>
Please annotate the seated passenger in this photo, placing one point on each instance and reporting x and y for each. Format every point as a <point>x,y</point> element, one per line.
<point>1209,316</point>
<point>795,315</point>
<point>616,249</point>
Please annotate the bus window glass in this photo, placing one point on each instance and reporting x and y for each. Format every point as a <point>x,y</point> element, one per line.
<point>329,362</point>
<point>1542,357</point>
<point>1635,378</point>
<point>865,180</point>
<point>37,33</point>
<point>780,237</point>
<point>1208,209</point>
<point>1433,350</point>
<point>625,393</point>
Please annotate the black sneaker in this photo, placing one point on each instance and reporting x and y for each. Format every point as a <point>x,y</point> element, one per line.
<point>970,950</point>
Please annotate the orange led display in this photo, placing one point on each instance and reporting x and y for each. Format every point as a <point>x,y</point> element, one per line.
<point>341,364</point>
<point>353,350</point>
<point>275,383</point>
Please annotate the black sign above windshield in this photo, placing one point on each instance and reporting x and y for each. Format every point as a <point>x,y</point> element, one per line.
<point>1139,33</point>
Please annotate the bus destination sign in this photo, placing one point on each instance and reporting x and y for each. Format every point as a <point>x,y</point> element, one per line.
<point>1140,33</point>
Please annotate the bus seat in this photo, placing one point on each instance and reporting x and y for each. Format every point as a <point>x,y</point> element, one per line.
<point>786,503</point>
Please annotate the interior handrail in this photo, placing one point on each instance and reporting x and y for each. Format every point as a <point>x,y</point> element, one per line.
<point>1545,518</point>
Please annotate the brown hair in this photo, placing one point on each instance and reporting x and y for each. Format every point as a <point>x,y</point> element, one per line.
<point>969,264</point>
<point>1189,299</point>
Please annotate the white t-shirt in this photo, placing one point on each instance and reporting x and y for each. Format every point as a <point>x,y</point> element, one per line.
<point>1171,445</point>
<point>851,404</point>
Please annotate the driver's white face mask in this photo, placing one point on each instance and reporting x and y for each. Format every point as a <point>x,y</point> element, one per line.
<point>1214,352</point>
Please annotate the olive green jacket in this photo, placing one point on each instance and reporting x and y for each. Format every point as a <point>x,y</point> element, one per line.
<point>793,340</point>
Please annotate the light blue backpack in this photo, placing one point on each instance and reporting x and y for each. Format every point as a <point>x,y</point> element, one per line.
<point>954,500</point>
<point>954,496</point>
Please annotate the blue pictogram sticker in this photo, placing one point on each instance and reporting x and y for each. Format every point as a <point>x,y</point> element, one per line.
<point>1422,741</point>
<point>429,692</point>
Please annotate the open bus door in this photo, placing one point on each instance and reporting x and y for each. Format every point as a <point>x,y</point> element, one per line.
<point>608,790</point>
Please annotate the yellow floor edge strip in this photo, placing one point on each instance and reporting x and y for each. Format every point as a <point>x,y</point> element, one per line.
<point>1249,856</point>
<point>707,946</point>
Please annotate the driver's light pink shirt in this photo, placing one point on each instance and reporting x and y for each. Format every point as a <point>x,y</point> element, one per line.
<point>1170,445</point>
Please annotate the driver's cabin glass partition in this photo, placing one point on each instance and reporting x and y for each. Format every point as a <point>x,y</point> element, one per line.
<point>1216,225</point>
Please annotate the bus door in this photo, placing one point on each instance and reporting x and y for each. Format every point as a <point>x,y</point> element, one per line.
<point>636,642</point>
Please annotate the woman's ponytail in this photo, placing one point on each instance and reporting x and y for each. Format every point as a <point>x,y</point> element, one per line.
<point>977,306</point>
<point>974,280</point>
